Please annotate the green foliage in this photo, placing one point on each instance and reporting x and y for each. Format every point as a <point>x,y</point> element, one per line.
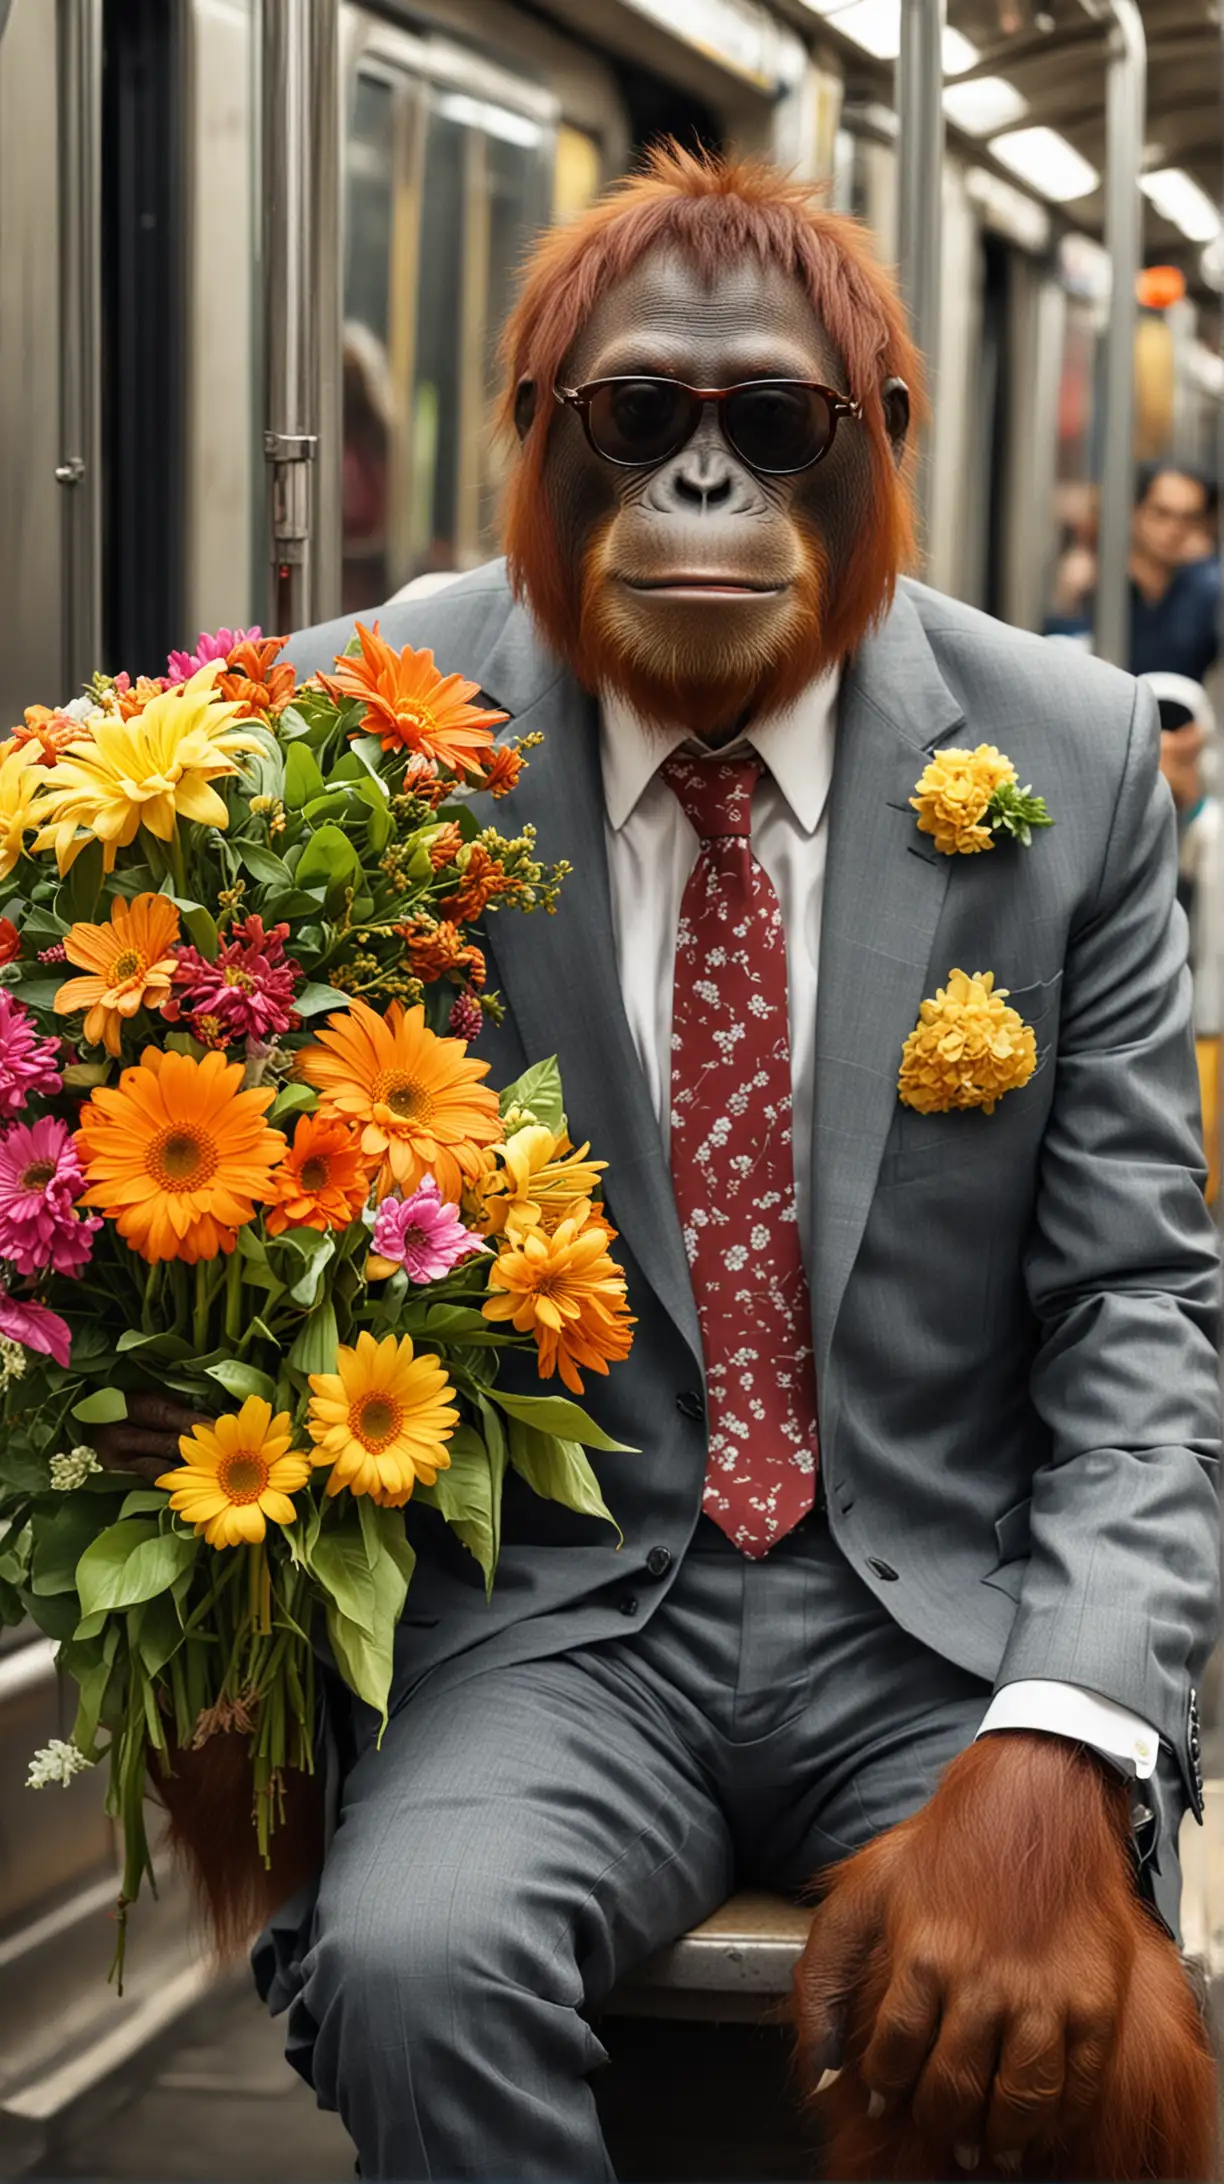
<point>538,1091</point>
<point>558,1471</point>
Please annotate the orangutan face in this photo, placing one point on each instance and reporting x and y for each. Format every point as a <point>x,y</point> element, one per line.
<point>709,589</point>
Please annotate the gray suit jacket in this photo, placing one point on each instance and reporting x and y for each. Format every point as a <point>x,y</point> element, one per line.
<point>1015,1315</point>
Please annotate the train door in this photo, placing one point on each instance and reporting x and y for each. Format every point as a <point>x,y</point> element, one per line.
<point>449,165</point>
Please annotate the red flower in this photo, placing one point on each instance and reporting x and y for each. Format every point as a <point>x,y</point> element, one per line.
<point>10,941</point>
<point>246,994</point>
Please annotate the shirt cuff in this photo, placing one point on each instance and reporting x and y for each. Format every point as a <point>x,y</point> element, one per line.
<point>1065,1710</point>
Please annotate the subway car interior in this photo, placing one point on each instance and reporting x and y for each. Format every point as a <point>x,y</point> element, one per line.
<point>255,260</point>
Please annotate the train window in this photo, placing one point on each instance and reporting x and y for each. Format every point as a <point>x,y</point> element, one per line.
<point>450,165</point>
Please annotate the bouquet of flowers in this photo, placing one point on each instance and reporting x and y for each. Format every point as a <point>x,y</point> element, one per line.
<point>246,1157</point>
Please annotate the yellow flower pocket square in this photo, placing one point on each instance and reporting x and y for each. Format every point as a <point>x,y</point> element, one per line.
<point>967,1048</point>
<point>965,798</point>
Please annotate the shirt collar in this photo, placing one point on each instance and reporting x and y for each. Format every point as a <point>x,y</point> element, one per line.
<point>796,744</point>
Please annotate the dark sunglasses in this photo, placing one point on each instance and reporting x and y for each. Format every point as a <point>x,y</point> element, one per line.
<point>776,426</point>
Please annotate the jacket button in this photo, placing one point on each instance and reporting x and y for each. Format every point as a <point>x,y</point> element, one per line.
<point>659,1561</point>
<point>882,1569</point>
<point>628,1603</point>
<point>690,1405</point>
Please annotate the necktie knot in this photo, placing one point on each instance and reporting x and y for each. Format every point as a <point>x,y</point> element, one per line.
<point>715,794</point>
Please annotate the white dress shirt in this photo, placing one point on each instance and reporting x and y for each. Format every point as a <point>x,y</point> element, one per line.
<point>652,849</point>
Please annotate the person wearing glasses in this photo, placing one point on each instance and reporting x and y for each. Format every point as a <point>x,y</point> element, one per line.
<point>1174,577</point>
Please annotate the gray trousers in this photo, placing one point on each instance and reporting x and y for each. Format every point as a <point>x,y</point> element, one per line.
<point>527,1833</point>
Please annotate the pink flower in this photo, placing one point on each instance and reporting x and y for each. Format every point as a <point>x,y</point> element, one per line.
<point>40,1181</point>
<point>423,1234</point>
<point>27,1063</point>
<point>218,646</point>
<point>246,994</point>
<point>35,1328</point>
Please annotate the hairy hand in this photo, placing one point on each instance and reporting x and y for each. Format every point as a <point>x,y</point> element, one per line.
<point>147,1440</point>
<point>992,1984</point>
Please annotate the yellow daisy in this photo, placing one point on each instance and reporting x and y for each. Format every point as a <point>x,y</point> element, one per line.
<point>149,771</point>
<point>382,1419</point>
<point>236,1474</point>
<point>22,774</point>
<point>541,1180</point>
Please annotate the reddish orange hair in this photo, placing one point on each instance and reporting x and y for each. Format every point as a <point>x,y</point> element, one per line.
<point>716,211</point>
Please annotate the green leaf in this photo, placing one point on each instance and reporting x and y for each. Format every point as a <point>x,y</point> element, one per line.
<point>379,830</point>
<point>305,1290</point>
<point>90,1626</point>
<point>366,1658</point>
<point>39,993</point>
<point>153,1346</point>
<point>130,1563</point>
<point>311,1000</point>
<point>538,1090</point>
<point>161,1634</point>
<point>142,1500</point>
<point>317,1342</point>
<point>104,1408</point>
<point>558,1471</point>
<point>556,1414</point>
<point>328,858</point>
<point>302,777</point>
<point>81,892</point>
<point>292,1099</point>
<point>264,865</point>
<point>60,1539</point>
<point>241,1380</point>
<point>91,1685</point>
<point>202,927</point>
<point>333,804</point>
<point>342,1568</point>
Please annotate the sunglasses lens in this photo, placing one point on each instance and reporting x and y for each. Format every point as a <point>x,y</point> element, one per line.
<point>778,427</point>
<point>641,421</point>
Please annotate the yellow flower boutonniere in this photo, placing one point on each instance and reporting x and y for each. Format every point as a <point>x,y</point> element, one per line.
<point>967,1048</point>
<point>965,798</point>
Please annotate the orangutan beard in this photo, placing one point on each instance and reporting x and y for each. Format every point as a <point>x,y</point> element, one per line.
<point>713,689</point>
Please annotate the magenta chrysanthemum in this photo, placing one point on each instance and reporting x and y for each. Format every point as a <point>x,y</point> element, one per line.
<point>246,994</point>
<point>40,1182</point>
<point>466,1017</point>
<point>27,1063</point>
<point>215,646</point>
<point>423,1234</point>
<point>35,1328</point>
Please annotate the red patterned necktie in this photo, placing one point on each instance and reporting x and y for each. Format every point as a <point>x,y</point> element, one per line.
<point>733,1165</point>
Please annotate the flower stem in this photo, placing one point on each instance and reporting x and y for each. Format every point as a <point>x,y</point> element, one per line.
<point>178,867</point>
<point>199,1325</point>
<point>233,1297</point>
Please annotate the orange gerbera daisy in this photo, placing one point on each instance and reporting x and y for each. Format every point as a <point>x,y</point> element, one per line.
<point>417,1099</point>
<point>567,1291</point>
<point>129,963</point>
<point>411,707</point>
<point>177,1155</point>
<point>322,1182</point>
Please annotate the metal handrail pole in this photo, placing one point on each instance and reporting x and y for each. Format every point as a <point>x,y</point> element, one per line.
<point>920,156</point>
<point>299,93</point>
<point>1125,117</point>
<point>78,471</point>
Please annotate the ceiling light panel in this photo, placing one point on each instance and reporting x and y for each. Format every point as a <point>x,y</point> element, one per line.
<point>875,25</point>
<point>985,106</point>
<point>1046,162</point>
<point>1178,198</point>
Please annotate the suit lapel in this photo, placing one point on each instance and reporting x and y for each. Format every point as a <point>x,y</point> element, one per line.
<point>559,973</point>
<point>884,892</point>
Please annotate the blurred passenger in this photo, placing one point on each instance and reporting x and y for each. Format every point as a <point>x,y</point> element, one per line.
<point>1189,761</point>
<point>1175,586</point>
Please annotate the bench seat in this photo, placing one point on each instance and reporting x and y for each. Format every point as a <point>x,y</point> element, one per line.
<point>737,1964</point>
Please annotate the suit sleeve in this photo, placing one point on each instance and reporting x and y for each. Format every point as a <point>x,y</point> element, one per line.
<point>1121,1592</point>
